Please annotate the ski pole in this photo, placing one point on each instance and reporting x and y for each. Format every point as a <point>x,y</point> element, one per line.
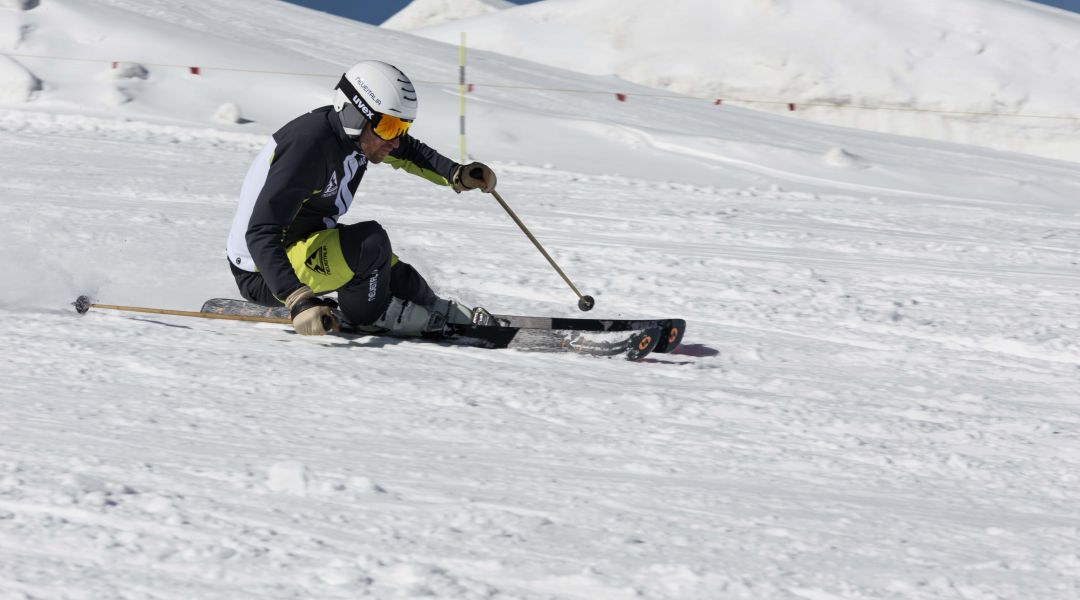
<point>82,305</point>
<point>584,302</point>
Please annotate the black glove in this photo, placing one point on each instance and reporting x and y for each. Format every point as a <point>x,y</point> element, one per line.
<point>475,175</point>
<point>310,315</point>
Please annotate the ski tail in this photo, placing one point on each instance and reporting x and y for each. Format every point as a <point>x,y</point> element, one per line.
<point>230,306</point>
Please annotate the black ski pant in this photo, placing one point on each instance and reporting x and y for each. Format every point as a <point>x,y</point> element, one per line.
<point>378,275</point>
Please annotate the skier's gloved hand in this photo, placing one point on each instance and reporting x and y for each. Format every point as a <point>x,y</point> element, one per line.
<point>475,175</point>
<point>310,315</point>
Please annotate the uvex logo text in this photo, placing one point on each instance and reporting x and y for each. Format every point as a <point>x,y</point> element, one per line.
<point>363,107</point>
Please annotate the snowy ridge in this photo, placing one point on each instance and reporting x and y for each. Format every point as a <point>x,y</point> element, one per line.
<point>969,56</point>
<point>876,397</point>
<point>426,13</point>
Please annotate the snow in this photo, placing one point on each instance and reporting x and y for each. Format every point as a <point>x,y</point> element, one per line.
<point>16,83</point>
<point>18,4</point>
<point>425,13</point>
<point>229,113</point>
<point>876,397</point>
<point>882,66</point>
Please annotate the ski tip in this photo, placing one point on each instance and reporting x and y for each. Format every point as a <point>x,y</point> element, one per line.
<point>81,304</point>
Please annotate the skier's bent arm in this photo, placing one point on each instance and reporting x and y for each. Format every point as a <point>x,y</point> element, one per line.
<point>288,185</point>
<point>416,157</point>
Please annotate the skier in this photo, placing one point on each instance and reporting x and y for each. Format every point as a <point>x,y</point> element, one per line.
<point>286,246</point>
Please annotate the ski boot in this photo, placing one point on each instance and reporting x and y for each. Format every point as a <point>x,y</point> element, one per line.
<point>439,320</point>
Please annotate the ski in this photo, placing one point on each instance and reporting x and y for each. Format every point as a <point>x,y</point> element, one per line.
<point>593,337</point>
<point>231,306</point>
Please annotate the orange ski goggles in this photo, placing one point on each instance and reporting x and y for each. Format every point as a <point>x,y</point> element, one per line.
<point>387,127</point>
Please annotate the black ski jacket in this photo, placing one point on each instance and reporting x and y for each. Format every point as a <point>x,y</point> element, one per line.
<point>302,182</point>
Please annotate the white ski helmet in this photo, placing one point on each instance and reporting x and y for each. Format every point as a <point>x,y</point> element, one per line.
<point>371,89</point>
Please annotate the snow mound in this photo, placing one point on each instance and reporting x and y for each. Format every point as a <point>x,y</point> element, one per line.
<point>125,70</point>
<point>19,4</point>
<point>229,113</point>
<point>838,157</point>
<point>426,13</point>
<point>126,79</point>
<point>17,84</point>
<point>884,66</point>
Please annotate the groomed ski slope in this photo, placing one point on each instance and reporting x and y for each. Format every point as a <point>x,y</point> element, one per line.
<point>877,398</point>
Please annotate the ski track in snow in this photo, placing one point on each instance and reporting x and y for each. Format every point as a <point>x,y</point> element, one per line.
<point>878,399</point>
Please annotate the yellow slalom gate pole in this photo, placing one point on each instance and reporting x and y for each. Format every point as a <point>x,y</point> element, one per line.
<point>461,92</point>
<point>83,304</point>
